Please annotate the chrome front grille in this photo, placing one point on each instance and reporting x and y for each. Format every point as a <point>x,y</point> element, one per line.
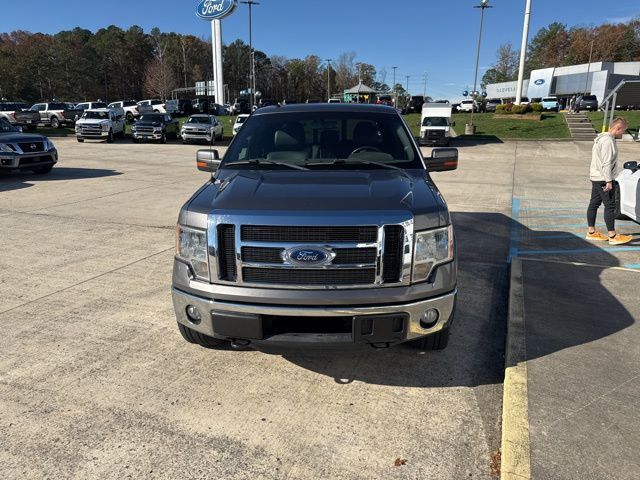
<point>91,130</point>
<point>366,256</point>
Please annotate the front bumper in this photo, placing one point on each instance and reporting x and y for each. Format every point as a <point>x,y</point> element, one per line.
<point>92,135</point>
<point>377,325</point>
<point>10,161</point>
<point>196,137</point>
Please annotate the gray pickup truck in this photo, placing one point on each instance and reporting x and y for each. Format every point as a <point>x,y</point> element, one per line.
<point>321,226</point>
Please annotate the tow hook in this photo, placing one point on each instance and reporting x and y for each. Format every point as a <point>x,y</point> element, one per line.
<point>240,344</point>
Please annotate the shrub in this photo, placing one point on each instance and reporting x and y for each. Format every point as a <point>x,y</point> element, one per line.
<point>501,109</point>
<point>536,107</point>
<point>519,109</point>
<point>508,107</point>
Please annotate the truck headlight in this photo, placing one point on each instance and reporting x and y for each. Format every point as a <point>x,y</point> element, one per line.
<point>191,246</point>
<point>48,145</point>
<point>431,248</point>
<point>6,148</point>
<point>105,127</point>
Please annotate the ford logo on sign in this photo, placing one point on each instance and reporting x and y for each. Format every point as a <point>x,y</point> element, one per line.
<point>309,256</point>
<point>539,82</point>
<point>215,9</point>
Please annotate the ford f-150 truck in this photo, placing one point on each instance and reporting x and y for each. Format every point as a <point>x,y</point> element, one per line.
<point>101,124</point>
<point>322,226</point>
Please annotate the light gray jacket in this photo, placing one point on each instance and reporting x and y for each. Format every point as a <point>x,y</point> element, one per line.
<point>604,159</point>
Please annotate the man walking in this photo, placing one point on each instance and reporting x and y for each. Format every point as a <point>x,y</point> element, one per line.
<point>603,172</point>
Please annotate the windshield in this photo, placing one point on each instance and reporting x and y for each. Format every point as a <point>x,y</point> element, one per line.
<point>6,127</point>
<point>206,120</point>
<point>435,122</point>
<point>151,117</point>
<point>589,97</point>
<point>241,119</point>
<point>57,106</point>
<point>96,115</point>
<point>324,140</point>
<point>549,99</point>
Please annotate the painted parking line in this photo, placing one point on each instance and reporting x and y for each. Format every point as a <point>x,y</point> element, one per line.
<point>593,249</point>
<point>515,219</point>
<point>633,265</point>
<point>535,236</point>
<point>550,226</point>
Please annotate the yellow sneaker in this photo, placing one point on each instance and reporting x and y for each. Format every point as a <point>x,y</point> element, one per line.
<point>597,237</point>
<point>620,239</point>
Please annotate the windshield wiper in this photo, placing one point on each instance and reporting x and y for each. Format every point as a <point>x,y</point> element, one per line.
<point>260,161</point>
<point>365,162</point>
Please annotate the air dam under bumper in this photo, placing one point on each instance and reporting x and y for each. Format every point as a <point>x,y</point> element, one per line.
<point>379,325</point>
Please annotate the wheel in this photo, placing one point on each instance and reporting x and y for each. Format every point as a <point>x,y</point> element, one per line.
<point>110,137</point>
<point>163,139</point>
<point>80,140</point>
<point>616,192</point>
<point>436,341</point>
<point>135,140</point>
<point>129,117</point>
<point>43,170</point>
<point>197,338</point>
<point>55,123</point>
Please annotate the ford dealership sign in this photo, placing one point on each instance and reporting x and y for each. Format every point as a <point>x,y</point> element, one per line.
<point>540,81</point>
<point>215,9</point>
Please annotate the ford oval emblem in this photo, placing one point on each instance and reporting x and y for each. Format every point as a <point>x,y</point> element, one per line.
<point>215,9</point>
<point>308,256</point>
<point>540,81</point>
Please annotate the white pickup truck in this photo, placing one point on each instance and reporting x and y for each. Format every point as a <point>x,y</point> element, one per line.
<point>101,124</point>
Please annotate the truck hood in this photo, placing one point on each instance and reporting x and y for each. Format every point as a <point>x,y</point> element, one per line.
<point>259,192</point>
<point>91,121</point>
<point>141,123</point>
<point>20,138</point>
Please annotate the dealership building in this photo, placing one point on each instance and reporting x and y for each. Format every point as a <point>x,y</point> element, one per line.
<point>599,78</point>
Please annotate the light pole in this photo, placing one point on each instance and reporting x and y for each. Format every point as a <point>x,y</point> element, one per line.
<point>252,67</point>
<point>523,51</point>
<point>328,60</point>
<point>395,92</point>
<point>470,127</point>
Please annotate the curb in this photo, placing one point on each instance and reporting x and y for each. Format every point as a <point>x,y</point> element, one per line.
<point>515,448</point>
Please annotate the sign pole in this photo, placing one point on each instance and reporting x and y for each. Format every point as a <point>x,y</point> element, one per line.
<point>523,51</point>
<point>216,26</point>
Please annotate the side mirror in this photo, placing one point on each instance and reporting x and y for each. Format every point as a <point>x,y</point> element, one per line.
<point>633,166</point>
<point>453,124</point>
<point>208,160</point>
<point>443,159</point>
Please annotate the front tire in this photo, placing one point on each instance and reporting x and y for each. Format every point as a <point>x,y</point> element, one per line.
<point>110,137</point>
<point>435,341</point>
<point>163,139</point>
<point>80,140</point>
<point>55,123</point>
<point>197,338</point>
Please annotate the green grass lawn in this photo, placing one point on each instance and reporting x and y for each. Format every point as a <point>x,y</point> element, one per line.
<point>632,117</point>
<point>551,126</point>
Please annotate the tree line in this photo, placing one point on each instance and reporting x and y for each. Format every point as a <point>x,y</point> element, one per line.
<point>556,45</point>
<point>114,64</point>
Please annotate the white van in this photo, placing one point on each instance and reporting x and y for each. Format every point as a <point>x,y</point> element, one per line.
<point>435,124</point>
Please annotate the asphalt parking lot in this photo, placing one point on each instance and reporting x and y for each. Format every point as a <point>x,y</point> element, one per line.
<point>95,380</point>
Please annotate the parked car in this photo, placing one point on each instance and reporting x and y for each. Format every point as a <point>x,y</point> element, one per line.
<point>415,104</point>
<point>492,104</point>
<point>130,108</point>
<point>385,100</point>
<point>335,100</point>
<point>201,128</point>
<point>56,114</point>
<point>628,192</point>
<point>239,122</point>
<point>155,126</point>
<point>25,151</point>
<point>240,107</point>
<point>468,106</point>
<point>321,225</point>
<point>587,102</point>
<point>18,114</point>
<point>455,107</point>
<point>101,124</point>
<point>550,103</point>
<point>153,105</point>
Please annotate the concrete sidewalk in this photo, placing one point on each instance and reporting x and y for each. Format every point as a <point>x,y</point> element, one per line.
<point>575,329</point>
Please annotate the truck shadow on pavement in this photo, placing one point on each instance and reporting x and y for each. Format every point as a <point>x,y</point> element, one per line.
<point>475,355</point>
<point>19,180</point>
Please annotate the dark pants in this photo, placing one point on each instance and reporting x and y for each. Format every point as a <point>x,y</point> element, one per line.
<point>598,197</point>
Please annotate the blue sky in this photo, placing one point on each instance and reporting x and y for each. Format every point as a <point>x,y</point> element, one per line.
<point>432,36</point>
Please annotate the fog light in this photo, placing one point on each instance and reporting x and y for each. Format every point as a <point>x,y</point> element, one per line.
<point>193,314</point>
<point>429,318</point>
